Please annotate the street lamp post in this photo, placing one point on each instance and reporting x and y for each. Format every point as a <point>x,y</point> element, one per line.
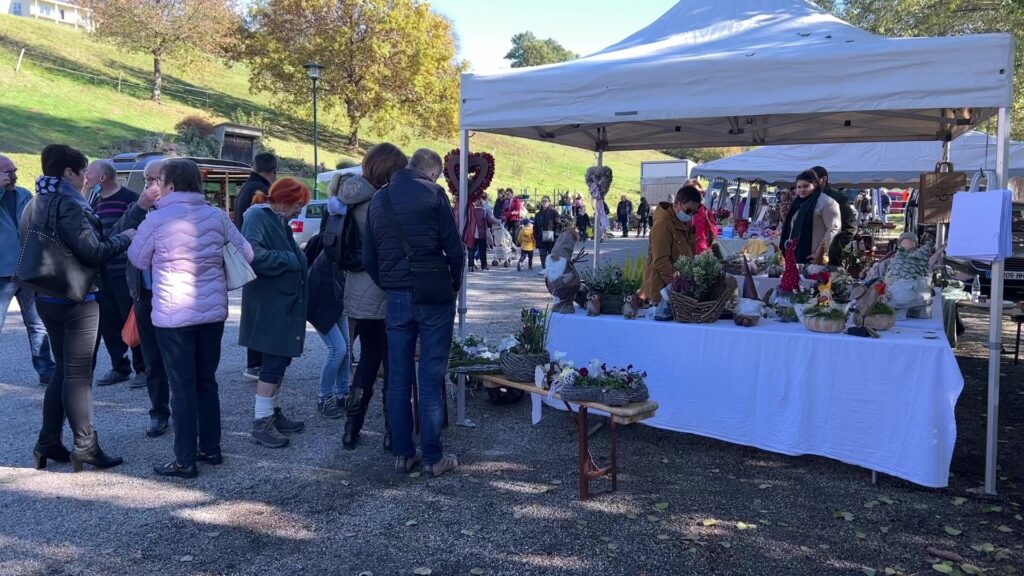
<point>314,69</point>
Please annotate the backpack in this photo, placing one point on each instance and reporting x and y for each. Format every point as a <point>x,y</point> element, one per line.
<point>314,246</point>
<point>342,243</point>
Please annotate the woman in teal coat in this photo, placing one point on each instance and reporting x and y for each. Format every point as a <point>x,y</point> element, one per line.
<point>274,304</point>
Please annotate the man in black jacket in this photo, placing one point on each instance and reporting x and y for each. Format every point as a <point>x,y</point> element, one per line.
<point>263,175</point>
<point>419,211</point>
<point>622,212</point>
<point>848,226</point>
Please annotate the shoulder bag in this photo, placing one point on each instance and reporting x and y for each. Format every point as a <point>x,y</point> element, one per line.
<point>431,277</point>
<point>46,264</point>
<point>237,272</point>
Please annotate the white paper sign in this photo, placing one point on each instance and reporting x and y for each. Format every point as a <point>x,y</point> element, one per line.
<point>537,402</point>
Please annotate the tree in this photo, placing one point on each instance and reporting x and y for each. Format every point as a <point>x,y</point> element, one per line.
<point>167,29</point>
<point>702,155</point>
<point>528,50</point>
<point>389,61</point>
<point>906,18</point>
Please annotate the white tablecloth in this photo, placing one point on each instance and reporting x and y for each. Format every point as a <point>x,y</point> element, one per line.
<point>885,404</point>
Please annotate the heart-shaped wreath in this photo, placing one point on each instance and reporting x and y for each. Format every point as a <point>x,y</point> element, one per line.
<point>481,171</point>
<point>599,181</point>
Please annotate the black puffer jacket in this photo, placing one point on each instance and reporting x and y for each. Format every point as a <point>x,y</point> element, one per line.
<point>243,201</point>
<point>60,209</point>
<point>426,218</point>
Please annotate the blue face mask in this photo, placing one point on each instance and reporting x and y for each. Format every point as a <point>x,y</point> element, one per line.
<point>684,217</point>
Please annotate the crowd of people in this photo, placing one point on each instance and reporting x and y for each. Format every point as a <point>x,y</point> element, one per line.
<point>88,259</point>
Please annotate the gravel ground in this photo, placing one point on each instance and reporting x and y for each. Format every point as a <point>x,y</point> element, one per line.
<point>686,504</point>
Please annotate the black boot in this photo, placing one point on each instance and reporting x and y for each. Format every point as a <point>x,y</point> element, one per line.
<point>50,450</point>
<point>88,451</point>
<point>355,413</point>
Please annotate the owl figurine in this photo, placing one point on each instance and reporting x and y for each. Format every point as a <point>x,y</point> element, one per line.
<point>594,305</point>
<point>630,306</point>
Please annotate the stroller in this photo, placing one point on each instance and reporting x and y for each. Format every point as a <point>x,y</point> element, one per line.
<point>505,250</point>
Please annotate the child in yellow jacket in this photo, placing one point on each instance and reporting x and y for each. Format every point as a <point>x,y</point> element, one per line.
<point>527,243</point>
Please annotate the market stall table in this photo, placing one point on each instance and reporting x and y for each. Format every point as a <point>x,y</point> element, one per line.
<point>885,404</point>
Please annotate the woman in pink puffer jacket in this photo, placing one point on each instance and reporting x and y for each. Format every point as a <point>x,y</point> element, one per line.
<point>182,243</point>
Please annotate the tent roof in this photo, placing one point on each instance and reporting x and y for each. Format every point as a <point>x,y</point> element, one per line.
<point>862,163</point>
<point>748,72</point>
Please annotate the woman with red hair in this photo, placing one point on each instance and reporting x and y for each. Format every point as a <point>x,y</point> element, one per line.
<point>274,304</point>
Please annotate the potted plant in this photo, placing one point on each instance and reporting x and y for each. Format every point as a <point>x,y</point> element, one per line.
<point>527,348</point>
<point>472,354</point>
<point>880,317</point>
<point>701,289</point>
<point>611,282</point>
<point>599,383</point>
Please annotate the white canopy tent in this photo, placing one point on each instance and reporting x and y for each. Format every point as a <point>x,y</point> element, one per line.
<point>862,163</point>
<point>795,75</point>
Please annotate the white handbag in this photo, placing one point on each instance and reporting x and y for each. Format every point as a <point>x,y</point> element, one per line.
<point>237,272</point>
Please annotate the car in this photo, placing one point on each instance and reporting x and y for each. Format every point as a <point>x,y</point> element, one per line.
<point>221,178</point>
<point>1013,272</point>
<point>307,223</point>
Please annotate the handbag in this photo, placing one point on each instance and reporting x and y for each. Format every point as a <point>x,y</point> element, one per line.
<point>237,272</point>
<point>130,331</point>
<point>46,265</point>
<point>547,236</point>
<point>432,280</point>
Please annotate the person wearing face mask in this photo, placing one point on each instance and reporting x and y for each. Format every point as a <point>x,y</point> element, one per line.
<point>813,220</point>
<point>672,236</point>
<point>544,230</point>
<point>66,300</point>
<point>274,304</point>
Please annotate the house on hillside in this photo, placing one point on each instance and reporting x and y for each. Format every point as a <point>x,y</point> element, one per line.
<point>67,12</point>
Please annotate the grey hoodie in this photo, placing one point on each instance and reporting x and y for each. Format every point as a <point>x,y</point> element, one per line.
<point>363,299</point>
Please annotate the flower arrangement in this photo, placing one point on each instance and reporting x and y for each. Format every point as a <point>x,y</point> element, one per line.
<point>471,351</point>
<point>614,279</point>
<point>599,383</point>
<point>532,337</point>
<point>697,276</point>
<point>599,181</point>
<point>598,375</point>
<point>722,216</point>
<point>481,172</point>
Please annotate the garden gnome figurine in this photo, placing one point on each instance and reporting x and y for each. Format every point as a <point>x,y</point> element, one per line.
<point>907,277</point>
<point>561,277</point>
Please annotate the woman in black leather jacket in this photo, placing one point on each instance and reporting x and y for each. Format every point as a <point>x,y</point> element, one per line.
<point>71,324</point>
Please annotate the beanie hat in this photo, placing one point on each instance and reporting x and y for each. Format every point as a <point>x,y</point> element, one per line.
<point>289,191</point>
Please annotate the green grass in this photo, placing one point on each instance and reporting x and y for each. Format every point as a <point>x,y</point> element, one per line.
<point>40,105</point>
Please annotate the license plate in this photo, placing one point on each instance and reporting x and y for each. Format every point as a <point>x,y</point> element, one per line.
<point>1008,275</point>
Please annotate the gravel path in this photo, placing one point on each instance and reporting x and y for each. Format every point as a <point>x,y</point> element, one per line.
<point>686,505</point>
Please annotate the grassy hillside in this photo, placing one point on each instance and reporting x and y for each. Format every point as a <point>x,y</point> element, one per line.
<point>42,104</point>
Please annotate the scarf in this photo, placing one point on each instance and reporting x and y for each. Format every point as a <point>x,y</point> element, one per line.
<point>801,226</point>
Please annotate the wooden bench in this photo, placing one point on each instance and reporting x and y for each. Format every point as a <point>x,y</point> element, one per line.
<point>589,470</point>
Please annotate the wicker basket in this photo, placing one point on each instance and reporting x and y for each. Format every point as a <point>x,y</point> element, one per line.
<point>608,396</point>
<point>824,325</point>
<point>880,322</point>
<point>522,367</point>
<point>611,303</point>
<point>688,310</point>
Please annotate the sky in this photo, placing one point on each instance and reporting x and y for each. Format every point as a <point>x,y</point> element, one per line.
<point>485,27</point>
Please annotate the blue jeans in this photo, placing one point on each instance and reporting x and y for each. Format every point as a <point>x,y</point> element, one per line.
<point>432,324</point>
<point>337,370</point>
<point>38,341</point>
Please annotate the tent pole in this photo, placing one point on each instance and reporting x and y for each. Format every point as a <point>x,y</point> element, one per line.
<point>460,400</point>
<point>598,216</point>
<point>995,336</point>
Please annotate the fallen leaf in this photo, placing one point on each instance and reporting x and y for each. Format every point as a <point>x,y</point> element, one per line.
<point>861,535</point>
<point>411,522</point>
<point>952,531</point>
<point>886,500</point>
<point>467,532</point>
<point>1009,569</point>
<point>824,546</point>
<point>137,555</point>
<point>844,515</point>
<point>366,574</point>
<point>890,571</point>
<point>414,474</point>
<point>347,483</point>
<point>1000,556</point>
<point>1004,528</point>
<point>725,544</point>
<point>709,522</point>
<point>606,538</point>
<point>990,509</point>
<point>805,549</point>
<point>556,482</point>
<point>632,516</point>
<point>477,571</point>
<point>186,558</point>
<point>942,568</point>
<point>661,506</point>
<point>944,554</point>
<point>664,460</point>
<point>107,551</point>
<point>885,529</point>
<point>653,518</point>
<point>764,486</point>
<point>349,534</point>
<point>871,503</point>
<point>691,550</point>
<point>745,526</point>
<point>869,571</point>
<point>613,546</point>
<point>986,548</point>
<point>959,500</point>
<point>213,534</point>
<point>1018,517</point>
<point>971,569</point>
<point>423,571</point>
<point>663,536</point>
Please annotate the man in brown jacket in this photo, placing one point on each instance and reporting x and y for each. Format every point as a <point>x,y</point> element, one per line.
<point>672,236</point>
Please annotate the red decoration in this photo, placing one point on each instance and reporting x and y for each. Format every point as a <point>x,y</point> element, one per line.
<point>481,171</point>
<point>742,225</point>
<point>790,281</point>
